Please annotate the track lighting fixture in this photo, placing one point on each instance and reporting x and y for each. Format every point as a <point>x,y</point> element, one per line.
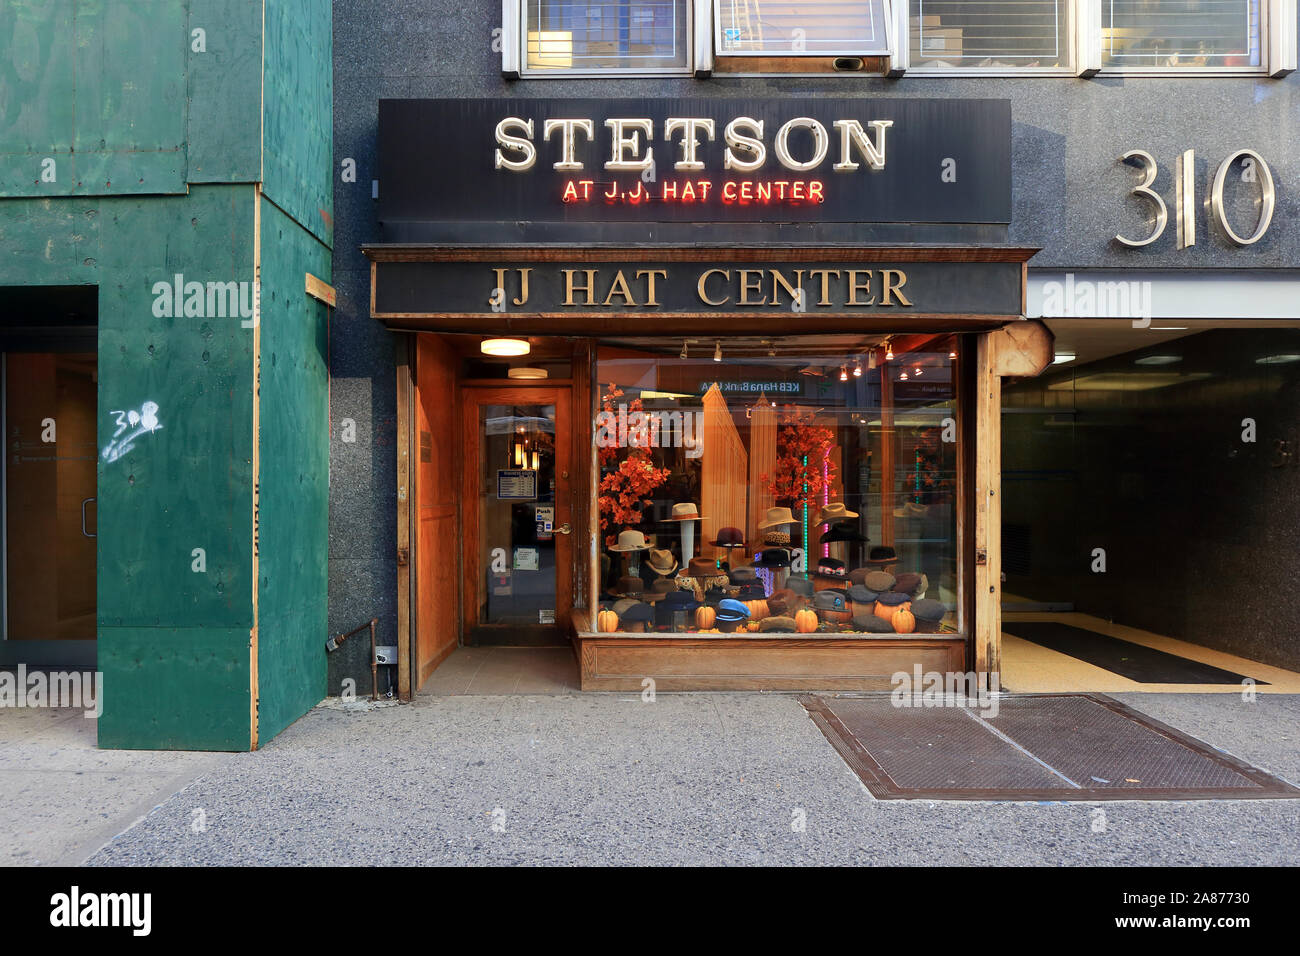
<point>889,351</point>
<point>857,369</point>
<point>683,355</point>
<point>844,374</point>
<point>717,351</point>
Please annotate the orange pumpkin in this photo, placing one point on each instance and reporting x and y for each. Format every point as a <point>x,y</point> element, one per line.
<point>607,621</point>
<point>886,612</point>
<point>704,617</point>
<point>805,621</point>
<point>904,620</point>
<point>757,610</point>
<point>751,626</point>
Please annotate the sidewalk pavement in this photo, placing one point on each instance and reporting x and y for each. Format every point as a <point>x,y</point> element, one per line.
<point>594,779</point>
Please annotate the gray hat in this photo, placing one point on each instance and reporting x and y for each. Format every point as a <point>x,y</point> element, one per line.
<point>830,599</point>
<point>621,606</point>
<point>861,594</point>
<point>800,585</point>
<point>892,598</point>
<point>928,613</point>
<point>873,624</point>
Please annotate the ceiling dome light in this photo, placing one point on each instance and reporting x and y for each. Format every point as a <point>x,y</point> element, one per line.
<point>505,347</point>
<point>889,353</point>
<point>526,371</point>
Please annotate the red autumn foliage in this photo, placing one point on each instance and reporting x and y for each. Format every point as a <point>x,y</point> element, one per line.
<point>801,440</point>
<point>625,490</point>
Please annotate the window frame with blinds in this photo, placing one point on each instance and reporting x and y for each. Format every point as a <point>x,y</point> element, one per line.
<point>887,47</point>
<point>1111,68</point>
<point>1069,54</point>
<point>517,29</point>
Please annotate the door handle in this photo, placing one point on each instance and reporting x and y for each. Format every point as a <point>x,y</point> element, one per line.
<point>83,518</point>
<point>565,528</point>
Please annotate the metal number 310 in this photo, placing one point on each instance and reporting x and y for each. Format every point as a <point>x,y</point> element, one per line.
<point>1185,182</point>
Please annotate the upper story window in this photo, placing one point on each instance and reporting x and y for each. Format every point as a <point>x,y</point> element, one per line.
<point>1189,34</point>
<point>998,35</point>
<point>576,36</point>
<point>802,28</point>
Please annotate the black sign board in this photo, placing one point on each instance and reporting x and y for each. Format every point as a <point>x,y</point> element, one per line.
<point>853,160</point>
<point>791,286</point>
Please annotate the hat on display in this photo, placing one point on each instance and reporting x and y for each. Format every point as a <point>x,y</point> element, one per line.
<point>620,607</point>
<point>859,575</point>
<point>775,517</point>
<point>879,581</point>
<point>729,538</point>
<point>830,568</point>
<point>872,624</point>
<point>777,624</point>
<point>663,586</point>
<point>684,511</point>
<point>833,512</point>
<point>631,540</point>
<point>704,567</point>
<point>714,595</point>
<point>751,592</point>
<point>928,613</point>
<point>831,599</point>
<point>844,531</point>
<point>662,562</point>
<point>773,558</point>
<point>861,594</point>
<point>730,609</point>
<point>744,575</point>
<point>889,602</point>
<point>907,582</point>
<point>801,585</point>
<point>630,584</point>
<point>672,603</point>
<point>882,555</point>
<point>638,613</point>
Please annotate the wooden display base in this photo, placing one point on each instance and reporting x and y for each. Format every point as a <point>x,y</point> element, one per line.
<point>621,661</point>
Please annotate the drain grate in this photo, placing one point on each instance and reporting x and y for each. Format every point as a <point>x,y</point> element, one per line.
<point>1038,747</point>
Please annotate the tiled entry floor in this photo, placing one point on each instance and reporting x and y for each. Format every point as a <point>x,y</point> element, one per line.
<point>504,670</point>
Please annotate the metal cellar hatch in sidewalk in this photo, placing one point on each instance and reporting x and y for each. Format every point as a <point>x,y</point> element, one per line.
<point>1081,747</point>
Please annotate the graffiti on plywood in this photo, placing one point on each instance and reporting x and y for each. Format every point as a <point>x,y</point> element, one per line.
<point>131,425</point>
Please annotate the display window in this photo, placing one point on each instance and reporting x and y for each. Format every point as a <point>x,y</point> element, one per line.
<point>803,485</point>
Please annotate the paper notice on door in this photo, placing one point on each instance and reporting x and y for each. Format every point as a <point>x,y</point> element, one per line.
<point>546,616</point>
<point>526,559</point>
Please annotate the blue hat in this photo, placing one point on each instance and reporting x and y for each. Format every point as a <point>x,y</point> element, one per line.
<point>729,609</point>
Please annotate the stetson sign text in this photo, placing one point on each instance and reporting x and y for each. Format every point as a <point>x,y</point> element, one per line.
<point>859,159</point>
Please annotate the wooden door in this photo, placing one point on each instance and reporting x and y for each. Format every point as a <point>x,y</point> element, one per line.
<point>517,513</point>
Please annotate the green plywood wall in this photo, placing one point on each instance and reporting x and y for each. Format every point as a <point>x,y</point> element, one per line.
<point>99,88</point>
<point>188,485</point>
<point>293,513</point>
<point>176,639</point>
<point>225,86</point>
<point>298,112</point>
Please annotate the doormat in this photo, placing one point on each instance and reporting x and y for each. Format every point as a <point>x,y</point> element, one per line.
<point>1146,665</point>
<point>1084,747</point>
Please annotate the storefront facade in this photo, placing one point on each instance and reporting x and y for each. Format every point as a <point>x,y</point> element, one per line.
<point>595,264</point>
<point>708,494</point>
